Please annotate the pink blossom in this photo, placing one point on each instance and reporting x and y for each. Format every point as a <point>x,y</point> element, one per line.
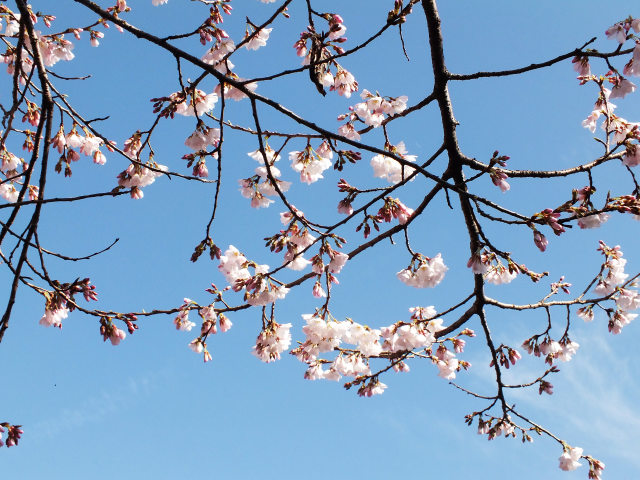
<point>581,66</point>
<point>116,336</point>
<point>593,221</point>
<point>53,316</point>
<point>499,179</point>
<point>338,260</point>
<point>272,341</point>
<point>344,83</point>
<point>569,458</point>
<point>622,88</point>
<point>389,168</point>
<point>196,345</point>
<point>586,313</point>
<point>348,131</point>
<point>371,389</point>
<point>429,273</point>
<point>632,155</point>
<point>318,291</point>
<point>617,32</point>
<point>499,274</point>
<point>225,323</point>
<point>259,39</point>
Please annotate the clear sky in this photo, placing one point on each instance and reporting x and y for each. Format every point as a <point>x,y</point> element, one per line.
<point>149,408</point>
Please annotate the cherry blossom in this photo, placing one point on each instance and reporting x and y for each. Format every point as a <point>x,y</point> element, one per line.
<point>310,163</point>
<point>272,341</point>
<point>569,460</point>
<point>390,169</point>
<point>428,272</point>
<point>139,176</point>
<point>202,102</point>
<point>344,83</point>
<point>53,317</point>
<point>259,39</point>
<point>593,221</point>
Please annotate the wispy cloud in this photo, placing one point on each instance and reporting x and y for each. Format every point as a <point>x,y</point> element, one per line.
<point>97,407</point>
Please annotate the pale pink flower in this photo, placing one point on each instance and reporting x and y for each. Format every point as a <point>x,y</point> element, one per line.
<point>116,336</point>
<point>259,39</point>
<point>586,314</point>
<point>593,221</point>
<point>499,274</point>
<point>344,83</point>
<point>569,460</point>
<point>272,342</point>
<point>9,192</point>
<point>429,273</point>
<point>581,66</point>
<point>54,317</point>
<point>617,32</point>
<point>338,260</point>
<point>389,168</point>
<point>628,300</point>
<point>318,291</point>
<point>224,323</point>
<point>196,345</point>
<point>348,131</point>
<point>499,179</point>
<point>314,372</point>
<point>569,349</point>
<point>621,88</point>
<point>370,389</point>
<point>632,155</point>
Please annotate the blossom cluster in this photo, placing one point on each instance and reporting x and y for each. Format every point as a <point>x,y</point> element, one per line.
<point>395,342</point>
<point>259,288</point>
<point>612,282</point>
<point>389,168</point>
<point>423,272</point>
<point>262,185</point>
<point>484,262</point>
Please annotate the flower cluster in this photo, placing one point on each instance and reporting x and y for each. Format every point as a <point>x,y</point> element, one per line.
<point>60,302</point>
<point>261,185</point>
<point>293,240</point>
<point>310,163</point>
<point>260,289</point>
<point>211,321</point>
<point>389,168</point>
<point>393,208</point>
<point>487,263</point>
<point>374,108</point>
<point>423,272</point>
<point>611,283</point>
<point>274,339</point>
<point>551,350</point>
<point>9,168</point>
<point>256,38</point>
<point>137,176</point>
<point>14,432</point>
<point>325,334</point>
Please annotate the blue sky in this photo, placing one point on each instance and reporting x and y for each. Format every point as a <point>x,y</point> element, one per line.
<point>150,408</point>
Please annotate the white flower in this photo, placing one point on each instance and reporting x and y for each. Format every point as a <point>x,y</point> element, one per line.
<point>429,274</point>
<point>499,274</point>
<point>259,39</point>
<point>569,458</point>
<point>272,342</point>
<point>53,318</point>
<point>593,221</point>
<point>390,169</point>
